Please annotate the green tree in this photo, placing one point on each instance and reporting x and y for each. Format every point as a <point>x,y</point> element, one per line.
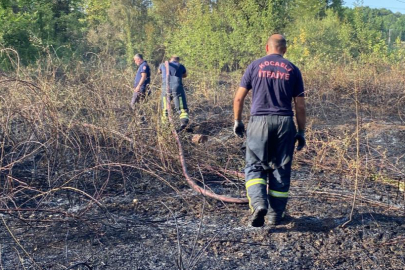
<point>314,8</point>
<point>319,41</point>
<point>228,34</point>
<point>37,27</point>
<point>120,29</point>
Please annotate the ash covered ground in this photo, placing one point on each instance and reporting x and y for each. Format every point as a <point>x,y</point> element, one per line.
<point>149,225</point>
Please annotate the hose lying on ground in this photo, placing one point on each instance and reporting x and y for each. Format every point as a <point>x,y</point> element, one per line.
<point>189,180</point>
<point>193,184</point>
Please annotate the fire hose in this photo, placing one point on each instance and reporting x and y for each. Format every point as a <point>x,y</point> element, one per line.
<point>189,180</point>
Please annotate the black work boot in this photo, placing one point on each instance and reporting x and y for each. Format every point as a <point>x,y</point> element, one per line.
<point>276,219</point>
<point>257,218</point>
<point>183,123</point>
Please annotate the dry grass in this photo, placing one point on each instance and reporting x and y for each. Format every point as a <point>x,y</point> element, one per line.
<point>69,130</point>
<point>357,127</point>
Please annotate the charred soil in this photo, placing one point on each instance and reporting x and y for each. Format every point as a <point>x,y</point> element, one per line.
<point>77,193</point>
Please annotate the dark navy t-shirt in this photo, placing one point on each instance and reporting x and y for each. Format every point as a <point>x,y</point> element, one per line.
<point>143,68</point>
<point>175,69</point>
<point>274,82</point>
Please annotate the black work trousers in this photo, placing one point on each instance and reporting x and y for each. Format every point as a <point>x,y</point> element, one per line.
<point>269,154</point>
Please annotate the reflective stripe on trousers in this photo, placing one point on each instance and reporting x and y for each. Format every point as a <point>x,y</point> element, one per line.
<point>269,153</point>
<point>256,187</point>
<point>179,97</point>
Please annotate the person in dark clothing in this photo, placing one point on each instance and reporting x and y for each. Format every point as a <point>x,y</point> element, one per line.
<point>271,135</point>
<point>176,91</point>
<point>141,81</point>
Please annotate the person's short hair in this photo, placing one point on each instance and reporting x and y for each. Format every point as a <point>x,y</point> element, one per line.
<point>175,58</point>
<point>138,55</point>
<point>278,41</point>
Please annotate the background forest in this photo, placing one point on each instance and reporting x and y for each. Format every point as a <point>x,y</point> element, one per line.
<point>221,35</point>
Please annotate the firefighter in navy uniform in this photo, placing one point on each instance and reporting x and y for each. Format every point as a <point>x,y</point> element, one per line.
<point>271,135</point>
<point>141,81</point>
<point>175,90</point>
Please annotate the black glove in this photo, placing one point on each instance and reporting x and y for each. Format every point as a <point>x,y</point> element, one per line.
<point>239,128</point>
<point>300,137</point>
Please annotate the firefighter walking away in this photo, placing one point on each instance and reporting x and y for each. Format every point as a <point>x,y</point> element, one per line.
<point>275,84</point>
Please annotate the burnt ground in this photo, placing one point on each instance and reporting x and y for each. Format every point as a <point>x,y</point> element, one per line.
<point>170,230</point>
<point>151,226</point>
<point>143,223</point>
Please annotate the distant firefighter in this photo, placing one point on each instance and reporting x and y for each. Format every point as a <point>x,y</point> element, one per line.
<point>141,81</point>
<point>175,90</point>
<point>275,82</point>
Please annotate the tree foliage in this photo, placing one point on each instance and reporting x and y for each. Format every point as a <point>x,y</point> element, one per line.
<point>208,34</point>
